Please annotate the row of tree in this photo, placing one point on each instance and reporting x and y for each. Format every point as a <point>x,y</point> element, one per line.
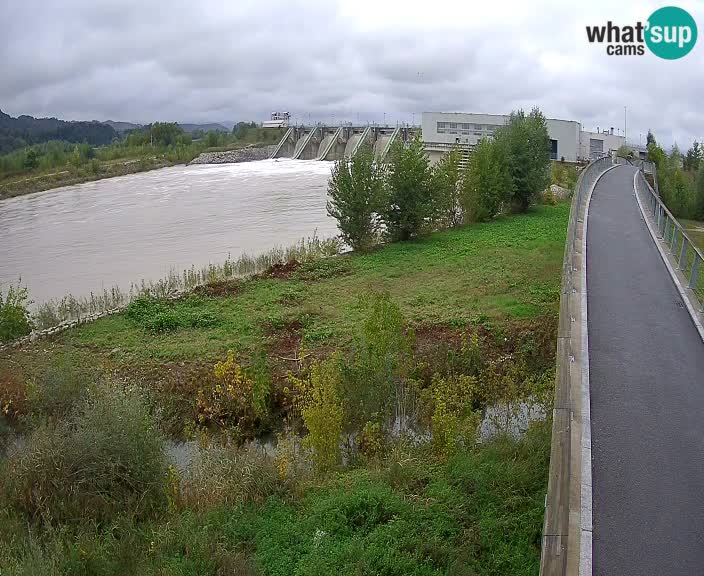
<point>680,178</point>
<point>408,197</point>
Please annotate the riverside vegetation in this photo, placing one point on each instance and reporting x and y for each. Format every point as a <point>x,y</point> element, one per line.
<point>60,163</point>
<point>373,369</point>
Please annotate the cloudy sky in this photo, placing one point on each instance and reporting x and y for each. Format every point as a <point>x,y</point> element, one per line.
<point>141,61</point>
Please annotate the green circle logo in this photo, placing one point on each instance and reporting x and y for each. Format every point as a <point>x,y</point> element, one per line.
<point>670,33</point>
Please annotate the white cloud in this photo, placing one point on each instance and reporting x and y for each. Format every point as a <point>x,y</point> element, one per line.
<point>143,60</point>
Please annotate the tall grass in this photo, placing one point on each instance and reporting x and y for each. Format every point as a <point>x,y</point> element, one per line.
<point>71,308</point>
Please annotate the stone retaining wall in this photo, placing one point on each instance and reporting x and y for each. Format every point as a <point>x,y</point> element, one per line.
<point>234,156</point>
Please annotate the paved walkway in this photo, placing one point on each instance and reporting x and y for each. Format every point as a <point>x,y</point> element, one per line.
<point>646,363</point>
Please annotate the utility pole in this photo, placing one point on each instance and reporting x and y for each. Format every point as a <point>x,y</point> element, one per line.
<point>625,124</point>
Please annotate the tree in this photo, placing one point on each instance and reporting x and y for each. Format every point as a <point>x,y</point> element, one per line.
<point>699,193</point>
<point>31,159</point>
<point>408,205</point>
<point>487,182</point>
<point>356,190</point>
<point>445,190</point>
<point>693,157</point>
<point>650,139</point>
<point>525,143</point>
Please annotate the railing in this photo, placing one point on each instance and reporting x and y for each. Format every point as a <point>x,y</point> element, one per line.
<point>687,256</point>
<point>281,143</point>
<point>563,526</point>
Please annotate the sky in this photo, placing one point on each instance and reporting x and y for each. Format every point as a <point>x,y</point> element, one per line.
<point>342,60</point>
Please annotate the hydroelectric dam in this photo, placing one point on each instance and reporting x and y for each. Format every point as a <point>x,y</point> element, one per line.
<point>321,142</point>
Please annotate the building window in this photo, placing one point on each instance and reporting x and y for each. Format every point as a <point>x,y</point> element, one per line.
<point>596,147</point>
<point>553,149</point>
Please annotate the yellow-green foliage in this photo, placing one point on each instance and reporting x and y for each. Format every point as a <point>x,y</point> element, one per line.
<point>453,421</point>
<point>371,440</point>
<point>319,402</point>
<point>234,395</point>
<point>564,175</point>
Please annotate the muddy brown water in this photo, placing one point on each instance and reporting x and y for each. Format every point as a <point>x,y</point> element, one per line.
<point>89,237</point>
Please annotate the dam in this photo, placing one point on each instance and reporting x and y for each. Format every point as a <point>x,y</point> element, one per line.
<point>320,142</point>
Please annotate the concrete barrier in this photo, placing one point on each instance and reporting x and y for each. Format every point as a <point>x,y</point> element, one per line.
<point>566,543</point>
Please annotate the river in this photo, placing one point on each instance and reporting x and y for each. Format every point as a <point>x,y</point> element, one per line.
<point>84,238</point>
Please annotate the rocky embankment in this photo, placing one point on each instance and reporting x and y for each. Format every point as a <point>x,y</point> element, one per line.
<point>232,156</point>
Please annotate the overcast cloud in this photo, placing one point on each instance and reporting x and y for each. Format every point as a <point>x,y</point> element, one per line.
<point>208,61</point>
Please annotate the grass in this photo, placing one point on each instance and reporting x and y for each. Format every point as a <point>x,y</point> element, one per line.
<point>507,269</point>
<point>478,513</point>
<point>695,230</point>
<point>405,509</point>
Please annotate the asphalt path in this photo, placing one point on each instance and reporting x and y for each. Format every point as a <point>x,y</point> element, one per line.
<point>646,363</point>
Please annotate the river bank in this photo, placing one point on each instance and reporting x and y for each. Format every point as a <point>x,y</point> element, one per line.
<point>424,335</point>
<point>31,182</point>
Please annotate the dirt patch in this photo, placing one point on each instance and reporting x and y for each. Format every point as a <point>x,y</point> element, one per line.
<point>281,270</point>
<point>219,289</point>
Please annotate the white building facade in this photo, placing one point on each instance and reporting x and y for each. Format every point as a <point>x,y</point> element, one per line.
<point>444,130</point>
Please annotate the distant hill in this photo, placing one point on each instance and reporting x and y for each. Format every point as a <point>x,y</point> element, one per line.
<point>16,133</point>
<point>122,126</point>
<point>204,127</point>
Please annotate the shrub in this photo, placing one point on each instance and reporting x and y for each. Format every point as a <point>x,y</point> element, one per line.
<point>319,402</point>
<point>107,458</point>
<point>445,190</point>
<point>409,205</point>
<point>15,320</point>
<point>487,182</point>
<point>157,315</point>
<point>60,388</point>
<point>374,380</point>
<point>356,190</point>
<point>453,421</point>
<point>238,395</point>
<point>228,476</point>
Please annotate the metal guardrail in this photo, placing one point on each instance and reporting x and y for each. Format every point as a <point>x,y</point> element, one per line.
<point>689,258</point>
<point>562,527</point>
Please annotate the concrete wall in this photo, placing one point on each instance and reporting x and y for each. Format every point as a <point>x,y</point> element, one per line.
<point>609,142</point>
<point>470,128</point>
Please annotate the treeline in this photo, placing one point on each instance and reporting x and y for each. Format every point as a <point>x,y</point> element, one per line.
<point>23,131</point>
<point>680,178</point>
<point>406,198</point>
<point>163,139</point>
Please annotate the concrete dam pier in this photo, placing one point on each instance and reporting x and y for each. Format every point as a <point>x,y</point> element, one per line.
<point>336,142</point>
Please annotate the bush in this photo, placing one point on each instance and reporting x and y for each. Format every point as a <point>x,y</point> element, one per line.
<point>60,388</point>
<point>374,380</point>
<point>158,315</point>
<point>237,395</point>
<point>15,320</point>
<point>487,182</point>
<point>106,459</point>
<point>408,207</point>
<point>356,189</point>
<point>319,402</point>
<point>228,476</point>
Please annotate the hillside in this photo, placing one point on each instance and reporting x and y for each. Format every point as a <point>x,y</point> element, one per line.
<point>16,133</point>
<point>204,127</point>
